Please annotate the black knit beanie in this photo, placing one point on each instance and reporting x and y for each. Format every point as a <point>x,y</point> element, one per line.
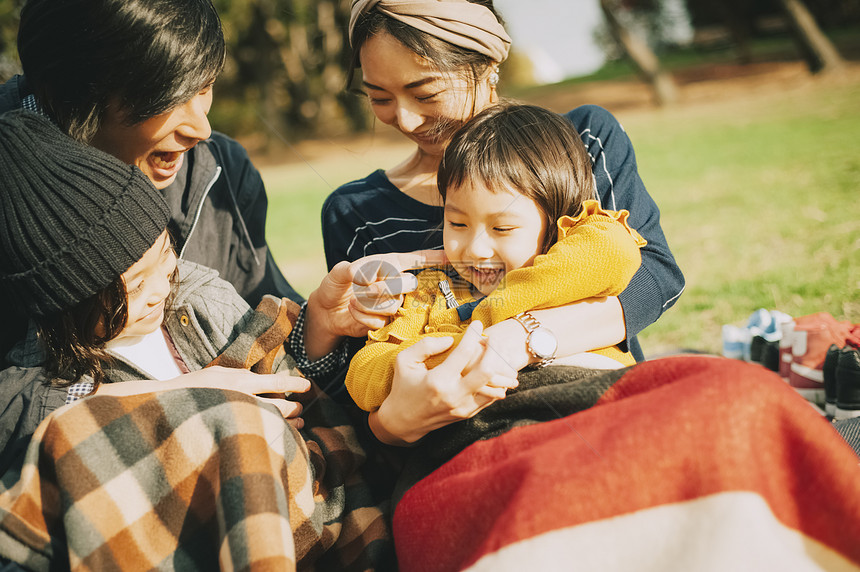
<point>72,218</point>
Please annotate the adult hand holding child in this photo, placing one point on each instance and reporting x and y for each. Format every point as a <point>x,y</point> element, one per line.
<point>471,378</point>
<point>356,297</point>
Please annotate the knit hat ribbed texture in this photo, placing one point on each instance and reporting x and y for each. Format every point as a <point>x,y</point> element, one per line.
<point>72,218</point>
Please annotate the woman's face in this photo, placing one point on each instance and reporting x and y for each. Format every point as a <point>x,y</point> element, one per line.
<point>407,92</point>
<point>489,232</point>
<point>147,284</point>
<point>157,146</point>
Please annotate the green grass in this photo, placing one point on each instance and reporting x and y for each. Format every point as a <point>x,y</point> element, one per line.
<point>759,200</point>
<point>760,205</point>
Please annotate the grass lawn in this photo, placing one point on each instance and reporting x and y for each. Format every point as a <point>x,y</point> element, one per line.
<point>758,193</point>
<point>761,206</point>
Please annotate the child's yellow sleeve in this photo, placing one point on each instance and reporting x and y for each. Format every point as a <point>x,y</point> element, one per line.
<point>596,255</point>
<point>371,370</point>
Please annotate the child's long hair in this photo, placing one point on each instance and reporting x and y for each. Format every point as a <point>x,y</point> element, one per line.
<point>523,148</point>
<point>74,340</point>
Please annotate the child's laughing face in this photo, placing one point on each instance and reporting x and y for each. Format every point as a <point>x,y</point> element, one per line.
<point>489,232</point>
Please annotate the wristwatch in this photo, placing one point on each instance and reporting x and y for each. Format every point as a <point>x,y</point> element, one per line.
<point>541,341</point>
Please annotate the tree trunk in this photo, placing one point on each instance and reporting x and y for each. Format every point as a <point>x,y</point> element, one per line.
<point>260,68</point>
<point>738,20</point>
<point>820,53</point>
<point>643,57</point>
<point>332,80</point>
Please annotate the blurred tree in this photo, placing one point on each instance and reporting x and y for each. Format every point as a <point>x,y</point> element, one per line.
<point>818,51</point>
<point>833,13</point>
<point>738,18</point>
<point>287,68</point>
<point>9,12</point>
<point>640,53</point>
<point>748,19</point>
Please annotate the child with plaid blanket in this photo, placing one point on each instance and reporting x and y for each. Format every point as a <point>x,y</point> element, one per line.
<point>193,469</point>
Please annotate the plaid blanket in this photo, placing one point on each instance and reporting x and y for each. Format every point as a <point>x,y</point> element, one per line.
<point>689,462</point>
<point>197,479</point>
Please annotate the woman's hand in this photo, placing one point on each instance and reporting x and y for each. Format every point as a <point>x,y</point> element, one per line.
<point>270,388</point>
<point>421,400</point>
<point>356,297</point>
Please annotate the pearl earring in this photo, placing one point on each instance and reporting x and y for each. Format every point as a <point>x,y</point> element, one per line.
<point>494,77</point>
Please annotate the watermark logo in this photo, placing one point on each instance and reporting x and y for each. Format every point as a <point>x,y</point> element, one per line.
<point>377,284</point>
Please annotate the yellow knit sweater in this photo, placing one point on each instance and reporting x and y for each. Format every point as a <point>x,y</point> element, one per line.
<point>596,255</point>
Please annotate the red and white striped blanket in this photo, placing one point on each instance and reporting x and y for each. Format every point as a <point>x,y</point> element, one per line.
<point>688,462</point>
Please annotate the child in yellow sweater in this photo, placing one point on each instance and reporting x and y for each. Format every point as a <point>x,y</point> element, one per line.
<point>522,231</point>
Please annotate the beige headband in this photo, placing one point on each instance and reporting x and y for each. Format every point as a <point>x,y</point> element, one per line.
<point>458,22</point>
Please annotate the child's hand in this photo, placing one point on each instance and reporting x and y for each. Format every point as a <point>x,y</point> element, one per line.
<point>271,388</point>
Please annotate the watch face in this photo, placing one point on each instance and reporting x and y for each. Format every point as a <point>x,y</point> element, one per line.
<point>543,343</point>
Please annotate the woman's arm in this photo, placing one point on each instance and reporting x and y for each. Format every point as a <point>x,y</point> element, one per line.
<point>659,282</point>
<point>579,327</point>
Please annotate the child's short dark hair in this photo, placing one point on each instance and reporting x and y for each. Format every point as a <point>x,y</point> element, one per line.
<point>147,56</point>
<point>527,149</point>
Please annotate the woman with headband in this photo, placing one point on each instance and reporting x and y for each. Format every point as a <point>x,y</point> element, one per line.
<point>663,463</point>
<point>427,67</point>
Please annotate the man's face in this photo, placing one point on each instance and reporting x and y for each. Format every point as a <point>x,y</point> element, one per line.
<point>157,145</point>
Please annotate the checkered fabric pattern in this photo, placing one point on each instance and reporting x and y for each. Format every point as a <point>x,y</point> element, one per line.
<point>324,366</point>
<point>79,391</point>
<point>850,431</point>
<point>29,103</point>
<point>151,468</point>
<point>197,479</point>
